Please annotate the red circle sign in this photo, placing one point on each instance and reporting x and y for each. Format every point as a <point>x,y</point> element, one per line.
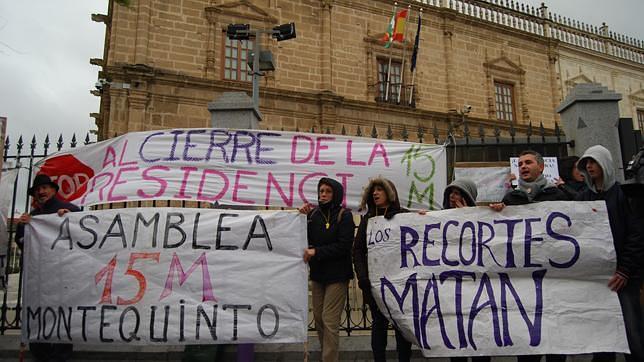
<point>70,174</point>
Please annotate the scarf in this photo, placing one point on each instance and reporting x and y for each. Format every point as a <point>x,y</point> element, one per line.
<point>534,188</point>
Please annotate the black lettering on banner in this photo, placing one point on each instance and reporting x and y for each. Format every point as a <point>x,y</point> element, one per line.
<point>35,315</point>
<point>132,335</point>
<point>165,324</point>
<point>195,228</point>
<point>173,225</point>
<point>114,234</point>
<point>66,320</point>
<point>220,228</point>
<point>104,323</point>
<point>235,307</point>
<point>264,235</point>
<point>259,321</point>
<point>139,218</point>
<point>182,309</point>
<point>46,335</point>
<point>63,234</point>
<point>84,323</point>
<point>81,224</point>
<point>212,326</point>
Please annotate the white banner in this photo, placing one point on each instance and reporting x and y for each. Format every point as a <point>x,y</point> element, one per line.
<point>492,183</point>
<point>166,276</point>
<point>528,280</point>
<point>244,167</point>
<point>550,169</point>
<point>7,180</point>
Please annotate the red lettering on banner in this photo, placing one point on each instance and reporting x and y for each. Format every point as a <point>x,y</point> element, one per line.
<point>238,186</point>
<point>294,146</point>
<point>319,147</point>
<point>350,160</point>
<point>288,200</point>
<point>200,194</point>
<point>379,149</point>
<point>118,181</point>
<point>163,184</point>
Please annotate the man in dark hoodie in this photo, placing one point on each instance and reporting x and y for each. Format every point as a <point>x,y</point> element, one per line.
<point>330,230</point>
<point>597,167</point>
<point>43,191</point>
<point>533,187</point>
<point>380,198</point>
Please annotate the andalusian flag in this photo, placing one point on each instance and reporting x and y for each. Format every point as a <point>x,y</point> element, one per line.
<point>396,28</point>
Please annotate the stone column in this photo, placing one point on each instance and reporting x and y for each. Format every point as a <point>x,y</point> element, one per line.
<point>590,116</point>
<point>234,110</point>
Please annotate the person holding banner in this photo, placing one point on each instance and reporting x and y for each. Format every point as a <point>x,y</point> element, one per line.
<point>597,167</point>
<point>380,199</point>
<point>533,187</point>
<point>462,193</point>
<point>43,191</point>
<point>330,237</point>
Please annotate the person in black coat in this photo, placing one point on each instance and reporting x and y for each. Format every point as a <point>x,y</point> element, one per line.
<point>570,180</point>
<point>380,198</point>
<point>597,167</point>
<point>330,231</point>
<point>43,191</point>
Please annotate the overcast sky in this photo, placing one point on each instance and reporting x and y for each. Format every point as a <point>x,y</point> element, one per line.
<point>45,47</point>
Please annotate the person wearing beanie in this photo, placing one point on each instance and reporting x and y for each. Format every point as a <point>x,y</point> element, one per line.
<point>330,230</point>
<point>599,173</point>
<point>380,198</point>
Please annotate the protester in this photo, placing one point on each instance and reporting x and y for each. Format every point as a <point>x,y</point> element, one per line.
<point>43,191</point>
<point>380,198</point>
<point>570,180</point>
<point>458,194</point>
<point>597,167</point>
<point>330,236</point>
<point>533,187</point>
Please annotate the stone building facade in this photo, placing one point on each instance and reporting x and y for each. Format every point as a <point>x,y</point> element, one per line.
<point>512,64</point>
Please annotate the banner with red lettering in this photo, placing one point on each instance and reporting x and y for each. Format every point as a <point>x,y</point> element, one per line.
<point>531,279</point>
<point>165,276</point>
<point>244,167</point>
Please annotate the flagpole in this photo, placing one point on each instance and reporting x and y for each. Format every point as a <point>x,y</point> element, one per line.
<point>413,73</point>
<point>390,50</point>
<point>402,67</point>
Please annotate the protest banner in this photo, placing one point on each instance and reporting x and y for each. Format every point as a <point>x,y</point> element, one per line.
<point>550,169</point>
<point>7,180</point>
<point>165,276</point>
<point>528,280</point>
<point>243,167</point>
<point>492,182</point>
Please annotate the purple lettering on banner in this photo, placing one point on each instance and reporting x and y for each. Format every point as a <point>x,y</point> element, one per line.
<point>407,247</point>
<point>483,243</point>
<point>238,186</point>
<point>432,286</point>
<point>173,148</point>
<point>553,234</point>
<point>175,265</point>
<point>528,243</point>
<point>200,194</point>
<point>163,184</point>
<point>510,224</point>
<point>188,145</point>
<point>446,261</point>
<point>288,200</point>
<point>145,141</point>
<point>219,145</point>
<point>410,285</point>
<point>260,149</point>
<point>246,146</point>
<point>458,299</point>
<point>294,146</point>
<point>118,181</point>
<point>467,225</point>
<point>426,241</point>
<point>319,147</point>
<point>350,160</point>
<point>534,327</point>
<point>484,284</point>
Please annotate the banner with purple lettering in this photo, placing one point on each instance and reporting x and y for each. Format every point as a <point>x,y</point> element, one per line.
<point>243,167</point>
<point>165,276</point>
<point>528,280</point>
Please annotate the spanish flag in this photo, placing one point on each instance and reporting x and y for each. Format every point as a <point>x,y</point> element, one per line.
<point>396,28</point>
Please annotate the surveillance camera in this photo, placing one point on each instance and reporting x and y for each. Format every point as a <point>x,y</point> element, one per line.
<point>98,85</point>
<point>101,83</point>
<point>467,108</point>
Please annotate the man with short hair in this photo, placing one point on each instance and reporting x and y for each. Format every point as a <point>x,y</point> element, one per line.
<point>43,191</point>
<point>597,167</point>
<point>533,187</point>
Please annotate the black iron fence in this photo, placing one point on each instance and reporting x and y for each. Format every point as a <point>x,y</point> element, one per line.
<point>466,146</point>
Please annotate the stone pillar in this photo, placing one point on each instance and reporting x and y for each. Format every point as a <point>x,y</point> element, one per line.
<point>234,110</point>
<point>590,116</point>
